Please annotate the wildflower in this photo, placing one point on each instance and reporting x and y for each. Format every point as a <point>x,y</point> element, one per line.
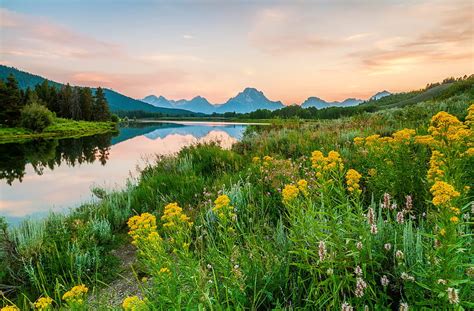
<point>408,202</point>
<point>174,217</point>
<point>359,245</point>
<point>43,303</point>
<point>470,116</point>
<point>223,209</point>
<point>456,210</point>
<point>371,216</point>
<point>443,193</point>
<point>371,140</point>
<point>406,277</point>
<point>10,308</point>
<point>352,180</point>
<point>386,200</point>
<point>384,280</point>
<point>346,307</point>
<point>399,254</point>
<point>393,206</point>
<point>289,193</point>
<point>358,141</point>
<point>329,271</point>
<point>76,294</point>
<point>360,287</point>
<point>400,218</point>
<point>442,231</point>
<point>425,140</point>
<point>267,158</point>
<point>453,295</point>
<point>403,306</point>
<point>372,172</point>
<point>322,250</point>
<point>454,219</point>
<point>470,272</point>
<point>256,160</point>
<point>303,186</point>
<point>141,227</point>
<point>403,136</point>
<point>133,303</point>
<point>209,266</point>
<point>373,229</point>
<point>446,127</point>
<point>387,246</point>
<point>441,281</point>
<point>358,271</point>
<point>164,270</point>
<point>332,161</point>
<point>436,163</point>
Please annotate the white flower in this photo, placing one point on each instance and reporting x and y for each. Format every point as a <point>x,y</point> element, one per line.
<point>399,254</point>
<point>387,246</point>
<point>406,277</point>
<point>403,307</point>
<point>384,280</point>
<point>400,218</point>
<point>358,271</point>
<point>442,281</point>
<point>329,271</point>
<point>360,286</point>
<point>359,245</point>
<point>373,229</point>
<point>453,295</point>
<point>346,307</point>
<point>322,250</point>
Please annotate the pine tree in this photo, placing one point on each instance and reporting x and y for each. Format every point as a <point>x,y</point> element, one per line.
<point>65,99</point>
<point>101,108</point>
<point>10,101</point>
<point>85,102</point>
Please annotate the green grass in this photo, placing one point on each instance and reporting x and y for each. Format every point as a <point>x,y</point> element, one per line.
<point>61,128</point>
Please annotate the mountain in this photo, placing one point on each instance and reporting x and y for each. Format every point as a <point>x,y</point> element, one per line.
<point>319,103</point>
<point>379,95</point>
<point>250,99</point>
<point>197,104</point>
<point>117,101</point>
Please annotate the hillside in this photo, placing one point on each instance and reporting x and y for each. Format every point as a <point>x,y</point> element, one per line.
<point>117,101</point>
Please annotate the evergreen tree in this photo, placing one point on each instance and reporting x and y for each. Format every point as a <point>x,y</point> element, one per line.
<point>85,102</point>
<point>75,108</point>
<point>101,108</point>
<point>65,101</point>
<point>10,101</point>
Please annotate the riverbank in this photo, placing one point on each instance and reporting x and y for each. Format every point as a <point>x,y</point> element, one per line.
<point>253,226</point>
<point>61,128</point>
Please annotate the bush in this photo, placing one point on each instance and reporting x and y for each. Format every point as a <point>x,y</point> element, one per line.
<point>36,117</point>
<point>114,118</point>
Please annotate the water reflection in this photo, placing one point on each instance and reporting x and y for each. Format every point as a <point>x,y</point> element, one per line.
<point>38,176</point>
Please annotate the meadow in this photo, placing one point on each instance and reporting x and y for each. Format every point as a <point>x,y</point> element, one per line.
<point>369,212</point>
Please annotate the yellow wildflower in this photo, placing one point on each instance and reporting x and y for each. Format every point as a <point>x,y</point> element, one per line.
<point>289,193</point>
<point>352,180</point>
<point>470,116</point>
<point>43,303</point>
<point>425,140</point>
<point>303,186</point>
<point>76,294</point>
<point>456,210</point>
<point>174,217</point>
<point>165,270</point>
<point>404,136</point>
<point>222,207</point>
<point>133,303</point>
<point>446,126</point>
<point>10,308</point>
<point>443,193</point>
<point>372,139</point>
<point>454,219</point>
<point>372,172</point>
<point>142,227</point>
<point>358,141</point>
<point>442,232</point>
<point>256,160</point>
<point>332,161</point>
<point>436,162</point>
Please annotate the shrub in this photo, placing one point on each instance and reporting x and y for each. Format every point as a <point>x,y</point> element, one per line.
<point>36,117</point>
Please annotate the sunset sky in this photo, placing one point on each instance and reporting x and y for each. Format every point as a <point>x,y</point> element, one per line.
<point>180,49</point>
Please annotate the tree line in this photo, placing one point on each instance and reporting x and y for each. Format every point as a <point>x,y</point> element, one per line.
<point>65,101</point>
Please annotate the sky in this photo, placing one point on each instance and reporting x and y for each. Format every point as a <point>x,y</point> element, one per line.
<point>290,50</point>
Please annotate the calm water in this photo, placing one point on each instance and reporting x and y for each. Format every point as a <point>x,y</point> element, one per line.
<point>40,176</point>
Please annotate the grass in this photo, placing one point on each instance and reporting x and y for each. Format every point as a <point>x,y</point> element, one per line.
<point>61,128</point>
<point>262,246</point>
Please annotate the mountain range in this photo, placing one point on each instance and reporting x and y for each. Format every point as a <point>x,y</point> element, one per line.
<point>250,99</point>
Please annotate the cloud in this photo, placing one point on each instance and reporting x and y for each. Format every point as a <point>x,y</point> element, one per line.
<point>30,36</point>
<point>450,40</point>
<point>187,36</point>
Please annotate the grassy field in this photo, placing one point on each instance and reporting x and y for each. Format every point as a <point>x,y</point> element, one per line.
<point>372,212</point>
<point>61,128</point>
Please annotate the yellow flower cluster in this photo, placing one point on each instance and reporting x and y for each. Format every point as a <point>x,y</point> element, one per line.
<point>303,186</point>
<point>222,207</point>
<point>443,193</point>
<point>43,303</point>
<point>267,160</point>
<point>142,227</point>
<point>372,172</point>
<point>10,308</point>
<point>289,193</point>
<point>352,179</point>
<point>256,160</point>
<point>404,136</point>
<point>165,271</point>
<point>446,126</point>
<point>331,162</point>
<point>436,162</point>
<point>76,294</point>
<point>133,303</point>
<point>174,217</point>
<point>470,116</point>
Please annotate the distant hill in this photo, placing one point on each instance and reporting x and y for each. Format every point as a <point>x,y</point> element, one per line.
<point>380,95</point>
<point>117,101</point>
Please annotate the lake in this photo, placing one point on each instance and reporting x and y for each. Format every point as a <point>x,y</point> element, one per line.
<point>53,175</point>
